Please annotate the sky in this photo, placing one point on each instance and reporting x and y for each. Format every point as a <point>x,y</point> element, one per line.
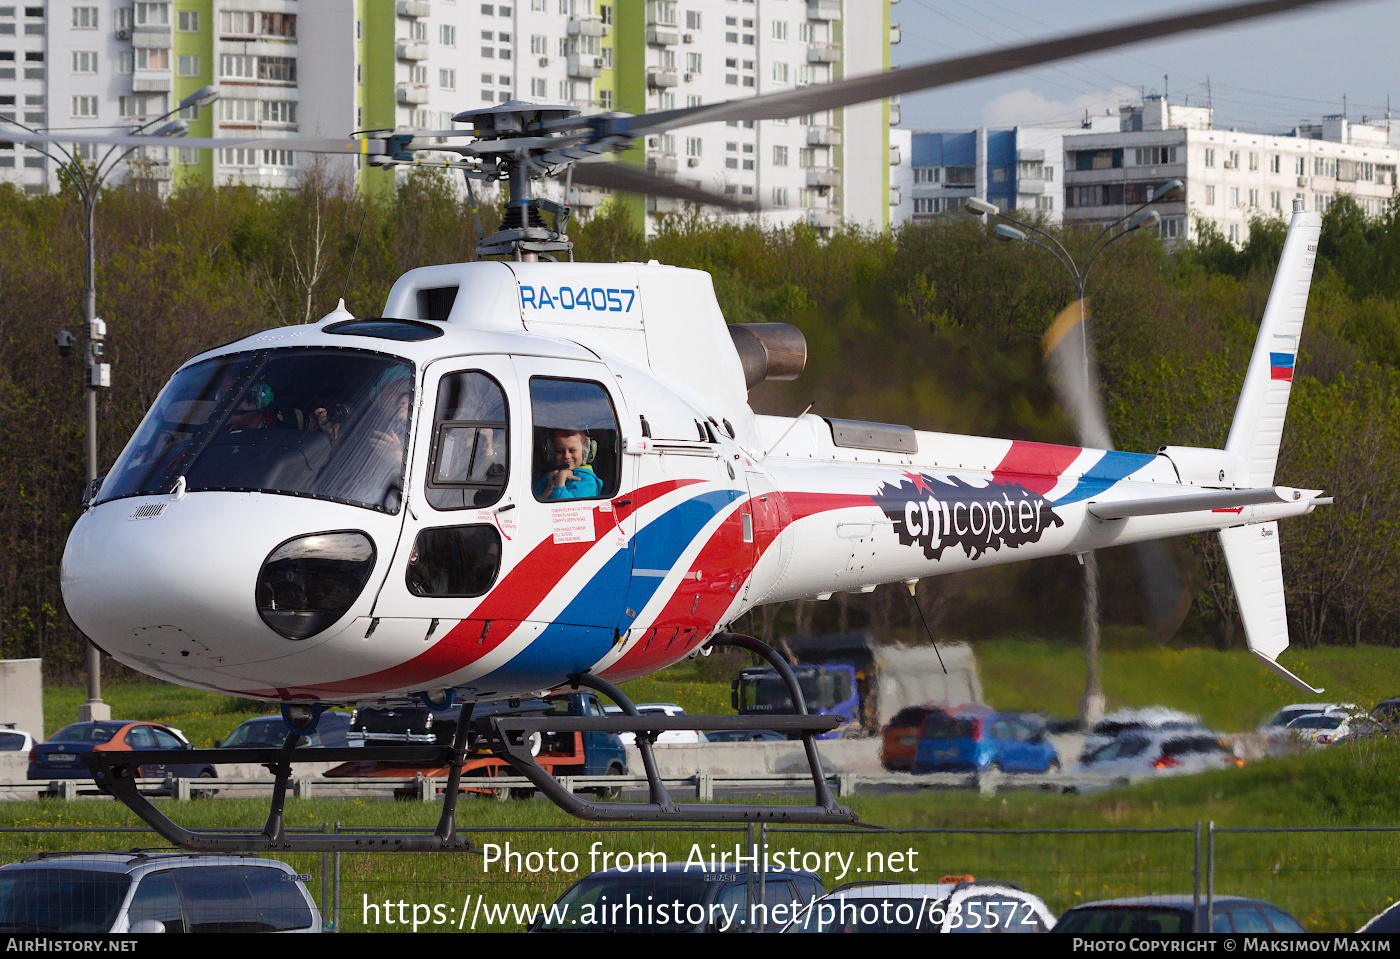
<point>1264,75</point>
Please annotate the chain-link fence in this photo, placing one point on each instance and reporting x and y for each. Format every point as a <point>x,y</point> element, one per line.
<point>1331,879</point>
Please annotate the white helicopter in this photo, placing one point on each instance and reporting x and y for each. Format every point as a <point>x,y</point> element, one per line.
<point>529,475</point>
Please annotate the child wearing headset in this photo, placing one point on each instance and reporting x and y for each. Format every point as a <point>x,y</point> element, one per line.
<point>572,477</point>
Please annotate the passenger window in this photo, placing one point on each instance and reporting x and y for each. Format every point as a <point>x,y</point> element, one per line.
<point>470,459</point>
<point>454,561</point>
<point>155,899</point>
<point>577,453</point>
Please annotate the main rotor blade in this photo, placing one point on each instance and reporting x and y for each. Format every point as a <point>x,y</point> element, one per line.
<point>622,176</point>
<point>368,147</point>
<point>938,73</point>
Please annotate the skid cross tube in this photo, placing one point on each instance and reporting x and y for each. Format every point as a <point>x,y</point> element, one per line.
<point>115,773</point>
<point>512,733</point>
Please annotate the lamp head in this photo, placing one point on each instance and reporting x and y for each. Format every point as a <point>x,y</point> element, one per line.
<point>978,207</point>
<point>1007,232</point>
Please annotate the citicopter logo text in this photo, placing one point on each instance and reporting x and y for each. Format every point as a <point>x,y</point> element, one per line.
<point>935,515</point>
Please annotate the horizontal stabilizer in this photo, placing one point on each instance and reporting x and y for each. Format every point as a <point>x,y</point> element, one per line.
<point>1256,569</point>
<point>1192,502</point>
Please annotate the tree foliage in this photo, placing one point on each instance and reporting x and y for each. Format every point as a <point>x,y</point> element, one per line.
<point>934,325</point>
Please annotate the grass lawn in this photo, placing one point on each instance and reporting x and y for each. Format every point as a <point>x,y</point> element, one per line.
<point>1332,881</point>
<point>1231,690</point>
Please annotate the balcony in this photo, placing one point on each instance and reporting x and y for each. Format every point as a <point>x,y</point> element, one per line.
<point>896,158</point>
<point>822,177</point>
<point>417,9</point>
<point>823,9</point>
<point>411,94</point>
<point>660,77</point>
<point>659,35</point>
<point>1031,185</point>
<point>580,27</point>
<point>894,111</point>
<point>151,81</point>
<point>822,219</point>
<point>895,34</point>
<point>151,36</point>
<point>586,197</point>
<point>665,165</point>
<point>665,204</point>
<point>585,66</point>
<point>823,53</point>
<point>412,50</point>
<point>896,196</point>
<point>823,137</point>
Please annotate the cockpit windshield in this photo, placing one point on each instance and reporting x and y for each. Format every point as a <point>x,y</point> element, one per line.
<point>326,423</point>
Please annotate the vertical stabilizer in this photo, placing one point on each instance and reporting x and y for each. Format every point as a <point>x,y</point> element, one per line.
<point>1258,425</point>
<point>1256,569</point>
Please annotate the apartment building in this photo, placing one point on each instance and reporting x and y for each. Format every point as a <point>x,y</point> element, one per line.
<point>1019,169</point>
<point>1231,176</point>
<point>322,68</point>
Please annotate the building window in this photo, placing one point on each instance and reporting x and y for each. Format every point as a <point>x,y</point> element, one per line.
<point>279,111</point>
<point>1210,156</point>
<point>539,45</point>
<point>187,66</point>
<point>234,110</point>
<point>692,63</point>
<point>1274,163</point>
<point>1210,196</point>
<point>692,19</point>
<point>539,87</point>
<point>84,18</point>
<point>126,62</point>
<point>780,196</point>
<point>153,14</point>
<point>85,108</point>
<point>1275,199</point>
<point>1253,160</point>
<point>780,30</point>
<point>780,73</point>
<point>84,61</point>
<point>447,35</point>
<point>692,146</point>
<point>237,67</point>
<point>447,79</point>
<point>780,156</point>
<point>187,21</point>
<point>282,69</point>
<point>152,58</point>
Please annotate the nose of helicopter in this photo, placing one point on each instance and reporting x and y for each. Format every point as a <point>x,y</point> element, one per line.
<point>169,585</point>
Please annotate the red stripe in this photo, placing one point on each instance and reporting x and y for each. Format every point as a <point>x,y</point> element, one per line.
<point>511,601</point>
<point>1281,373</point>
<point>684,623</point>
<point>1035,466</point>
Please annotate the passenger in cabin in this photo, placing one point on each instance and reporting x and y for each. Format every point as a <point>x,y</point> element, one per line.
<point>253,411</point>
<point>573,476</point>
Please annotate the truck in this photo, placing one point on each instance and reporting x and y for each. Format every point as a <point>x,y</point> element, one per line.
<point>561,754</point>
<point>866,683</point>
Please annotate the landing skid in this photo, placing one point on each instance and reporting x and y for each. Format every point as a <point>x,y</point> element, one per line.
<point>116,772</point>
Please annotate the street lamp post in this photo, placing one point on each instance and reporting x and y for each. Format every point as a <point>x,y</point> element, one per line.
<point>1092,429</point>
<point>97,374</point>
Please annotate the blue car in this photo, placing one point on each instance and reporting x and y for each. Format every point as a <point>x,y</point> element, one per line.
<point>59,757</point>
<point>975,739</point>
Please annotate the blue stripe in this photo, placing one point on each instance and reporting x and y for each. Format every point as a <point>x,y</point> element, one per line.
<point>564,649</point>
<point>1284,360</point>
<point>1113,467</point>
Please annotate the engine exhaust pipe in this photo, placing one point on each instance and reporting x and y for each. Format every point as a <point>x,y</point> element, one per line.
<point>769,351</point>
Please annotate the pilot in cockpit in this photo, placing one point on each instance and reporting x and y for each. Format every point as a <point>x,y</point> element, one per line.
<point>572,477</point>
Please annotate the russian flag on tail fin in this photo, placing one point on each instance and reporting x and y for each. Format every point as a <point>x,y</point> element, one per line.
<point>1252,552</point>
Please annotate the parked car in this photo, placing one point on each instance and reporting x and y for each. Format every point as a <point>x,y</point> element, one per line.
<point>976,739</point>
<point>331,730</point>
<point>1276,724</point>
<point>744,736</point>
<point>667,737</point>
<point>1324,729</point>
<point>1387,713</point>
<point>709,898</point>
<point>1149,719</point>
<point>1388,921</point>
<point>958,904</point>
<point>1160,754</point>
<point>14,740</point>
<point>76,893</point>
<point>59,756</point>
<point>1174,915</point>
<point>899,740</point>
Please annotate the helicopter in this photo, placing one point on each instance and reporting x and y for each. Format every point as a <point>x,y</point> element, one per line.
<point>530,474</point>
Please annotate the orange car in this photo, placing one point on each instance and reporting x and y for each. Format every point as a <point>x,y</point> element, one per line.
<point>900,739</point>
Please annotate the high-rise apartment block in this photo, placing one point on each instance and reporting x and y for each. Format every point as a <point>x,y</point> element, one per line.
<point>324,68</point>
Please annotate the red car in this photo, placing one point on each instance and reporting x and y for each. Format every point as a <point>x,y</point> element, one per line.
<point>59,757</point>
<point>900,739</point>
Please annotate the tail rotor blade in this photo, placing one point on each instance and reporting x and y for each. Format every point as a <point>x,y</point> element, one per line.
<point>1073,371</point>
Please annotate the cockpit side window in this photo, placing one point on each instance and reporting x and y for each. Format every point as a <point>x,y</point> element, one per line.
<point>577,449</point>
<point>470,460</point>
